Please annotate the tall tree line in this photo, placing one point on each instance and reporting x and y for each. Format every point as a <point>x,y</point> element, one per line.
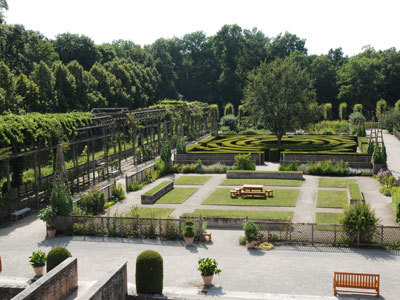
<point>73,73</point>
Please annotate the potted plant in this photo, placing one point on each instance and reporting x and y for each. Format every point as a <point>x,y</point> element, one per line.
<point>188,232</point>
<point>251,232</point>
<point>38,261</point>
<point>208,267</point>
<point>48,215</point>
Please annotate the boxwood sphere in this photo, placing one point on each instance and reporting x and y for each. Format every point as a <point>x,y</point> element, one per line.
<point>56,256</point>
<point>149,272</point>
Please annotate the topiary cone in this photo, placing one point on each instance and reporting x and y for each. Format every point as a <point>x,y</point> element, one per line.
<point>149,273</point>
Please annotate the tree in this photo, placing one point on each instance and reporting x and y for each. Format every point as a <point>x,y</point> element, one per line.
<point>327,111</point>
<point>64,87</point>
<point>7,84</point>
<point>3,6</point>
<point>280,96</point>
<point>44,79</point>
<point>343,111</point>
<point>28,91</point>
<point>76,47</point>
<point>284,45</point>
<point>381,108</point>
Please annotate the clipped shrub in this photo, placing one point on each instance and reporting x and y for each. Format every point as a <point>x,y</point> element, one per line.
<point>217,168</point>
<point>56,256</point>
<point>381,107</point>
<point>149,272</point>
<point>397,105</point>
<point>181,146</point>
<point>359,218</point>
<point>361,131</point>
<point>343,111</point>
<point>118,193</point>
<point>61,199</point>
<point>188,231</point>
<point>356,118</point>
<point>242,240</point>
<point>378,156</point>
<point>328,168</point>
<point>108,204</point>
<point>292,166</point>
<point>229,109</point>
<point>244,162</point>
<point>327,111</point>
<point>134,186</point>
<point>391,120</point>
<point>230,121</point>
<point>358,108</point>
<point>274,154</point>
<point>251,231</point>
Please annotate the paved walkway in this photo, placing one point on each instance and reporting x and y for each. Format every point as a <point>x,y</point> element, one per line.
<point>392,145</point>
<point>293,270</point>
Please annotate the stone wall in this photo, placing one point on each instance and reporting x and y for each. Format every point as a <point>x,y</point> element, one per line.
<point>150,199</point>
<point>113,286</point>
<point>8,291</point>
<point>355,161</point>
<point>55,285</point>
<point>213,158</point>
<point>264,175</point>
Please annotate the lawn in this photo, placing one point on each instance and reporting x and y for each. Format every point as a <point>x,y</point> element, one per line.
<point>157,188</point>
<point>195,180</point>
<point>283,215</point>
<point>177,195</point>
<point>328,218</point>
<point>335,183</point>
<point>332,198</point>
<point>149,212</point>
<point>281,197</point>
<point>268,182</point>
<point>355,191</point>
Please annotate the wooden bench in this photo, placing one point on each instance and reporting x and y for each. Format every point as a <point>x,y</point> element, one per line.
<point>22,212</point>
<point>270,193</point>
<point>357,281</point>
<point>235,193</point>
<point>252,194</point>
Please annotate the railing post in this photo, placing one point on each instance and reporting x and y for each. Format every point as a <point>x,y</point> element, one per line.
<point>121,225</point>
<point>180,227</point>
<point>382,232</point>
<point>312,234</point>
<point>102,226</point>
<point>201,226</point>
<point>334,238</point>
<point>358,239</point>
<point>159,227</point>
<point>290,232</point>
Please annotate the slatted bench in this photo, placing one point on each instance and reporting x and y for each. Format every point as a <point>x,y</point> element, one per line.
<point>252,194</point>
<point>357,281</point>
<point>22,212</point>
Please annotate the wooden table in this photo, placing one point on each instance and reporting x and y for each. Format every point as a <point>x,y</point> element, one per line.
<point>252,187</point>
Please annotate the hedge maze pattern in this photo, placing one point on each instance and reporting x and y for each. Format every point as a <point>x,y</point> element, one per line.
<point>263,143</point>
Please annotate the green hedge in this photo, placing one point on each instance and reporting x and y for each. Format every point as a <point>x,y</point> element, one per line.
<point>331,144</point>
<point>241,171</point>
<point>396,203</point>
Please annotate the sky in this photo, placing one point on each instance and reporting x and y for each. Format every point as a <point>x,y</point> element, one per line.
<point>350,24</point>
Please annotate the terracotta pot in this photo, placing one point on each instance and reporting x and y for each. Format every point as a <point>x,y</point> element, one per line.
<point>251,245</point>
<point>188,240</point>
<point>207,279</point>
<point>51,233</point>
<point>38,270</point>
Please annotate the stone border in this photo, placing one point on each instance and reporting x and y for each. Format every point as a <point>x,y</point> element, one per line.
<point>55,285</point>
<point>112,286</point>
<point>150,199</point>
<point>264,175</point>
<point>8,291</point>
<point>234,223</point>
<point>213,158</point>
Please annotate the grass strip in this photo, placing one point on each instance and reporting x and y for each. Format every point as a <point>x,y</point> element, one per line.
<point>327,219</point>
<point>157,188</point>
<point>177,195</point>
<point>332,198</point>
<point>223,213</point>
<point>192,180</point>
<point>335,183</point>
<point>149,212</point>
<point>282,197</point>
<point>267,182</point>
<point>355,191</point>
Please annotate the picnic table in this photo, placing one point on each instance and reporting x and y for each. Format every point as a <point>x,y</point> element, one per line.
<point>251,190</point>
<point>252,187</point>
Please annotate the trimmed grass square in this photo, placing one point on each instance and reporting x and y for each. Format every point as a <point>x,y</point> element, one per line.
<point>328,218</point>
<point>149,212</point>
<point>282,197</point>
<point>223,213</point>
<point>157,188</point>
<point>332,198</point>
<point>335,183</point>
<point>267,182</point>
<point>355,191</point>
<point>194,180</point>
<point>177,195</point>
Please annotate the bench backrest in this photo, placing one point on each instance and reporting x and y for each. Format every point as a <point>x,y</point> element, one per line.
<point>360,280</point>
